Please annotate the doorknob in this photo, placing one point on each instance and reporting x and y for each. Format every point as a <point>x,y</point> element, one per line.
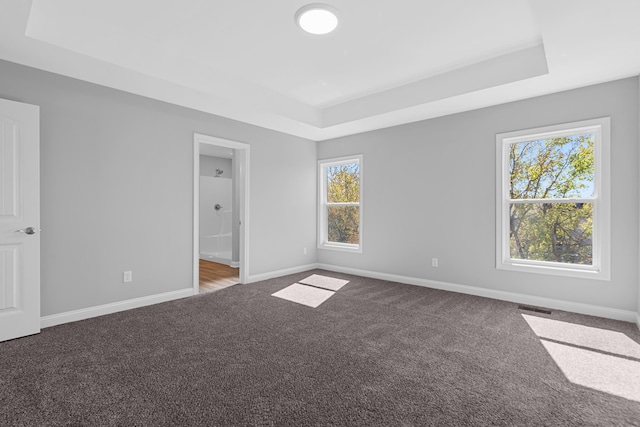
<point>28,230</point>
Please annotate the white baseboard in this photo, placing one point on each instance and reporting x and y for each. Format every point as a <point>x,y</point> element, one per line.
<point>574,307</point>
<point>593,310</point>
<point>638,318</point>
<point>279,273</point>
<point>100,310</point>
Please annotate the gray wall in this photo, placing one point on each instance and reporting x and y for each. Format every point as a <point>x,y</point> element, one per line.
<point>117,180</point>
<point>117,183</point>
<point>421,181</point>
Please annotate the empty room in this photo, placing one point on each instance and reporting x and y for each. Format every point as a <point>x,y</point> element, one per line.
<point>348,213</point>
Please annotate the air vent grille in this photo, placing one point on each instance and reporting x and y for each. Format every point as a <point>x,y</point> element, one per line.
<point>536,309</point>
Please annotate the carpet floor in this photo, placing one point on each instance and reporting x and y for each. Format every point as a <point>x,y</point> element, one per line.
<point>376,353</point>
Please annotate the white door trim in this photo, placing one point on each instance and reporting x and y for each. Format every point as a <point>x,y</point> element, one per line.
<point>19,211</point>
<point>242,162</point>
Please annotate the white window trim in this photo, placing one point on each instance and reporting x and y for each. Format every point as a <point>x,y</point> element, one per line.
<point>322,211</point>
<point>601,268</point>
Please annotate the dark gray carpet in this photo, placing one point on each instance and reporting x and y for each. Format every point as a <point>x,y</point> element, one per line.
<point>375,354</point>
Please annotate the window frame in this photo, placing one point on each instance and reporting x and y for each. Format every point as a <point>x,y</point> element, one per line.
<point>323,242</point>
<point>601,237</point>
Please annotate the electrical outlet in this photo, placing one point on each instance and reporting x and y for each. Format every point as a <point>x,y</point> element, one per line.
<point>434,262</point>
<point>127,277</point>
<point>304,251</point>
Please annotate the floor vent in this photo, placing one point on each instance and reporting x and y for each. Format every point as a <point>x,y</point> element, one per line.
<point>536,309</point>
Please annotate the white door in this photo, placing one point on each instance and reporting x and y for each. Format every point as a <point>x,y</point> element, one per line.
<point>19,219</point>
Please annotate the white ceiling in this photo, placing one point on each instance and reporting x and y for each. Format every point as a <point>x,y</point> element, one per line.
<point>388,63</point>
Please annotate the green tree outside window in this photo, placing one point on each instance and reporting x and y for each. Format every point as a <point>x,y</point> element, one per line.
<point>543,226</point>
<point>343,198</point>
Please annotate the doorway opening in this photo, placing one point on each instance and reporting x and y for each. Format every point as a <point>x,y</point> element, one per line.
<point>221,219</point>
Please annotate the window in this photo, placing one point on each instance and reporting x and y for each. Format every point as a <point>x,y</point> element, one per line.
<point>340,204</point>
<point>553,200</point>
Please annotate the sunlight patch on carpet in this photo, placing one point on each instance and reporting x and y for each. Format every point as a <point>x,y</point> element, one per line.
<point>306,295</point>
<point>325,282</point>
<point>584,336</point>
<point>602,372</point>
<point>599,359</point>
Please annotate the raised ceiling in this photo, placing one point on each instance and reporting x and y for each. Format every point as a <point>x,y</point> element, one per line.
<point>388,63</point>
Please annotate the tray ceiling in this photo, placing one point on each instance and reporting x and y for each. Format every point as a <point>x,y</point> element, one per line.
<point>388,63</point>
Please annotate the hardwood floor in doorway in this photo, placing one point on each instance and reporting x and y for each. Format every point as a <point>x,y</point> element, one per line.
<point>214,276</point>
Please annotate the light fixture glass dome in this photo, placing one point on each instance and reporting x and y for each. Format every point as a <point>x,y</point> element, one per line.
<point>317,18</point>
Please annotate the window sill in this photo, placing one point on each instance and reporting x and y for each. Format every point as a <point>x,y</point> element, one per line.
<point>341,247</point>
<point>580,273</point>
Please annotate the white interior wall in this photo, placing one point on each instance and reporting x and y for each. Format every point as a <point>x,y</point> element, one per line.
<point>216,234</point>
<point>209,164</point>
<point>429,192</point>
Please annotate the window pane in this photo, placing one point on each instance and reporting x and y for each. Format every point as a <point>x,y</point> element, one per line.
<point>552,168</point>
<point>343,183</point>
<point>556,232</point>
<point>343,224</point>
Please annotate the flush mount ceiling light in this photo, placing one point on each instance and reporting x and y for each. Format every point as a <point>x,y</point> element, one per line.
<point>317,18</point>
